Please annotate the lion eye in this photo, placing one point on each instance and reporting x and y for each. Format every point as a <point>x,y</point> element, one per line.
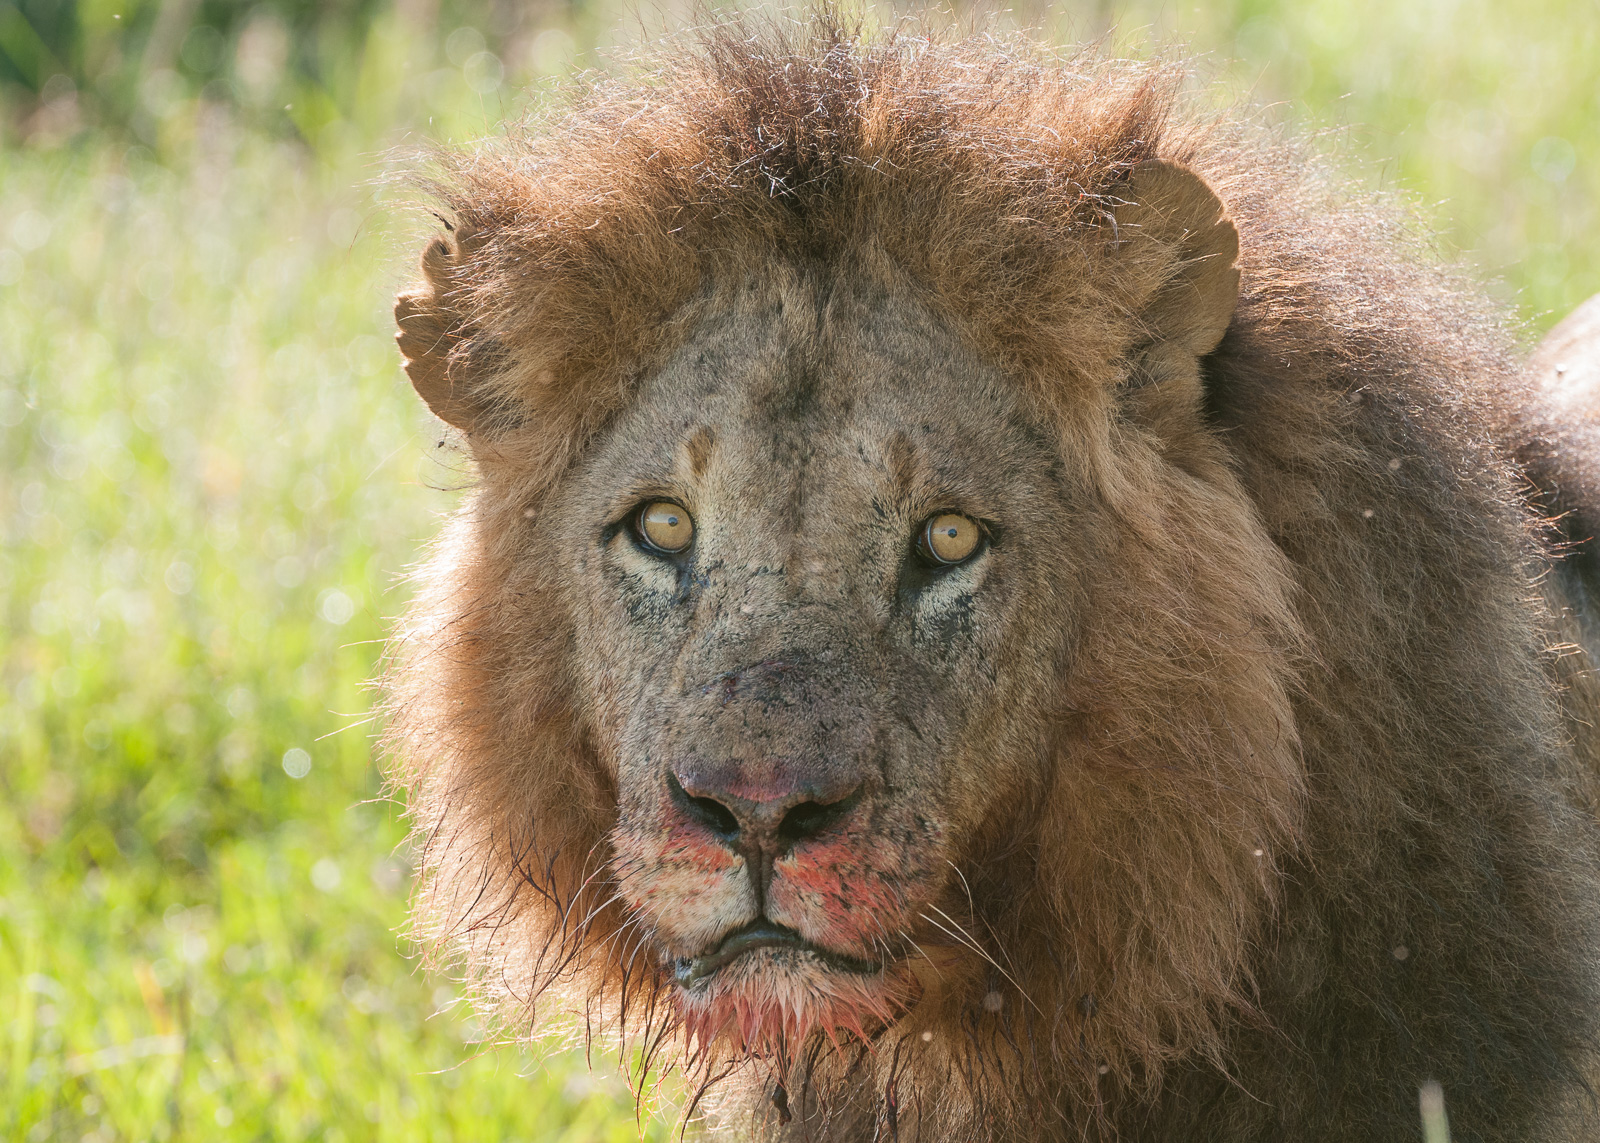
<point>949,538</point>
<point>666,526</point>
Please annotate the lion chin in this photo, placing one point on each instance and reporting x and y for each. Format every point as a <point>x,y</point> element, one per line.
<point>765,990</point>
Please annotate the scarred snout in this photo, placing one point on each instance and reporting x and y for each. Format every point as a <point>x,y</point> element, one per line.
<point>780,760</point>
<point>779,869</point>
<point>763,811</point>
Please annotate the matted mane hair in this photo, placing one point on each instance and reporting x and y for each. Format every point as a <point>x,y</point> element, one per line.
<point>1143,923</point>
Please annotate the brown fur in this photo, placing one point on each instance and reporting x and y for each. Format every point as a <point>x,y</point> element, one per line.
<point>1248,804</point>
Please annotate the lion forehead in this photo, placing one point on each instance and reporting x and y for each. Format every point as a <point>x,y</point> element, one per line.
<point>821,384</point>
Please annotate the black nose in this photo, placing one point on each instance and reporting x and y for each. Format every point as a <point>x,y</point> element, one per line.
<point>771,817</point>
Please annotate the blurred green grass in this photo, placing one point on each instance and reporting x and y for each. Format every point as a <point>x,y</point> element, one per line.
<point>212,474</point>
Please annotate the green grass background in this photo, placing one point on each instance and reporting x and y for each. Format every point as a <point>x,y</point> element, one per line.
<point>213,474</point>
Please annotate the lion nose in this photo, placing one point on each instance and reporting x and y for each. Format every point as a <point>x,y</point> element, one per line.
<point>771,816</point>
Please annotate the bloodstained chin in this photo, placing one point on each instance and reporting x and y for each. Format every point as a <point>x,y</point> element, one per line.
<point>766,1010</point>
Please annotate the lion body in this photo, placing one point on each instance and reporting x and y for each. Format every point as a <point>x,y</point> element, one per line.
<point>1242,781</point>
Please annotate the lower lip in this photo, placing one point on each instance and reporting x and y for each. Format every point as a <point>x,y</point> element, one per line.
<point>694,972</point>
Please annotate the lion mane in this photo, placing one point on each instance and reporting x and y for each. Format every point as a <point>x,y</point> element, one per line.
<point>1309,821</point>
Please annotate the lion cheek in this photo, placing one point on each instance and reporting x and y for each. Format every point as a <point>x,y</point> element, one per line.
<point>691,891</point>
<point>841,897</point>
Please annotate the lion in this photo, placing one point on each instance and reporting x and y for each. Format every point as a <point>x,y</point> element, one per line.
<point>995,606</point>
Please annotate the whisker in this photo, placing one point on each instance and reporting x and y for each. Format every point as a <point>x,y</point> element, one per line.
<point>970,942</point>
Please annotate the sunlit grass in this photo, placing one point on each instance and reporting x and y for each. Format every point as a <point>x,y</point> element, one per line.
<point>212,475</point>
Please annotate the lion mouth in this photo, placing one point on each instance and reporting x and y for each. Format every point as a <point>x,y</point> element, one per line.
<point>759,934</point>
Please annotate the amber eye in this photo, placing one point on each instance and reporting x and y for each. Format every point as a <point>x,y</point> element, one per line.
<point>666,526</point>
<point>949,538</point>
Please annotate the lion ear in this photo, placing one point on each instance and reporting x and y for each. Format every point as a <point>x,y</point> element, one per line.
<point>1194,299</point>
<point>431,327</point>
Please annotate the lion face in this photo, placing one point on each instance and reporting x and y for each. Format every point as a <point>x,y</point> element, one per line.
<point>858,627</point>
<point>806,707</point>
